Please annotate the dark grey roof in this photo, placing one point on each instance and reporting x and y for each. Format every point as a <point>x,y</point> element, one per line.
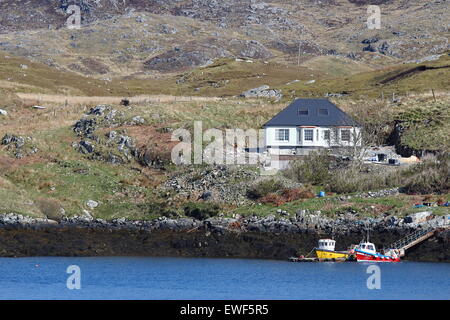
<point>291,116</point>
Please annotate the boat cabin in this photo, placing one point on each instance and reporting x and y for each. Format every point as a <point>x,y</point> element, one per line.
<point>367,247</point>
<point>327,244</point>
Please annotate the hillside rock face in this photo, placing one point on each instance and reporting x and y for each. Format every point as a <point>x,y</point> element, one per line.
<point>263,91</point>
<point>169,35</point>
<point>186,57</point>
<point>263,239</point>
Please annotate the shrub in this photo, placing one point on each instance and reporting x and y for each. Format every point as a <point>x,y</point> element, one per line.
<point>291,194</point>
<point>273,198</point>
<point>353,179</point>
<point>201,210</point>
<point>51,208</point>
<point>161,208</point>
<point>306,194</point>
<point>313,168</point>
<point>263,188</point>
<point>45,185</point>
<point>287,195</point>
<point>155,154</point>
<point>428,177</point>
<point>296,194</point>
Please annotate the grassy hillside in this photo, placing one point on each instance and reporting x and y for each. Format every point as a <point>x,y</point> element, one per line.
<point>402,79</point>
<point>59,176</point>
<point>228,77</point>
<point>51,173</point>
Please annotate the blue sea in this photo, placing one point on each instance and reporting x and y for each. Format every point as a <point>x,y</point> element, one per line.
<point>198,278</point>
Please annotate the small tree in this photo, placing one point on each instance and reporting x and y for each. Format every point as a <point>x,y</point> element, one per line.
<point>375,119</point>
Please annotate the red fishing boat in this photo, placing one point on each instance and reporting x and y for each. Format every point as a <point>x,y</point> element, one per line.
<point>366,252</point>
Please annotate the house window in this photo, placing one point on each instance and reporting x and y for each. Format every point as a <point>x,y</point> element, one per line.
<point>303,112</point>
<point>345,135</point>
<point>326,135</point>
<point>323,112</point>
<point>309,135</point>
<point>282,134</point>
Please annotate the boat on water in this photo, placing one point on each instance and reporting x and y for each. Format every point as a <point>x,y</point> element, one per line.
<point>326,251</point>
<point>366,252</point>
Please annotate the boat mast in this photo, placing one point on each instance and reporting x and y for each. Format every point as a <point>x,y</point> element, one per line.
<point>367,229</point>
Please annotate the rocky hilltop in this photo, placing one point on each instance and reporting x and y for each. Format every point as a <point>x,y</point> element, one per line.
<point>126,37</point>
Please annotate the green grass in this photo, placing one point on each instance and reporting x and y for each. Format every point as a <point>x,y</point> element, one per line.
<point>63,182</point>
<point>427,127</point>
<point>400,79</point>
<point>227,77</point>
<point>76,179</point>
<point>71,179</point>
<point>331,206</point>
<point>14,199</point>
<point>335,66</point>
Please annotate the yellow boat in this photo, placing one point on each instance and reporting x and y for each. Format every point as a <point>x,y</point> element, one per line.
<point>326,250</point>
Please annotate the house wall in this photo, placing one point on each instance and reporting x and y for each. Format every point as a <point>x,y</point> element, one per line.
<point>271,141</point>
<point>296,137</point>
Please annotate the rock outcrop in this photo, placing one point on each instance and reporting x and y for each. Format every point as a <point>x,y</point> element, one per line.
<point>116,147</point>
<point>19,146</point>
<point>177,35</point>
<point>265,238</point>
<point>181,58</point>
<point>262,92</point>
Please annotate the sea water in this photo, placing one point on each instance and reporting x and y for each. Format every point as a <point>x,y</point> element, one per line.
<point>199,278</point>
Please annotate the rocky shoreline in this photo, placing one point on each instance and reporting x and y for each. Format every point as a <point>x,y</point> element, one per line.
<point>263,238</point>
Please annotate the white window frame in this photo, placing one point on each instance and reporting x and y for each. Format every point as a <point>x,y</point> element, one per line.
<point>325,133</point>
<point>311,131</point>
<point>282,134</point>
<point>349,135</point>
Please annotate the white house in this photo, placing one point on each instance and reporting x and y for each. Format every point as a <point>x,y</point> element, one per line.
<point>311,124</point>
